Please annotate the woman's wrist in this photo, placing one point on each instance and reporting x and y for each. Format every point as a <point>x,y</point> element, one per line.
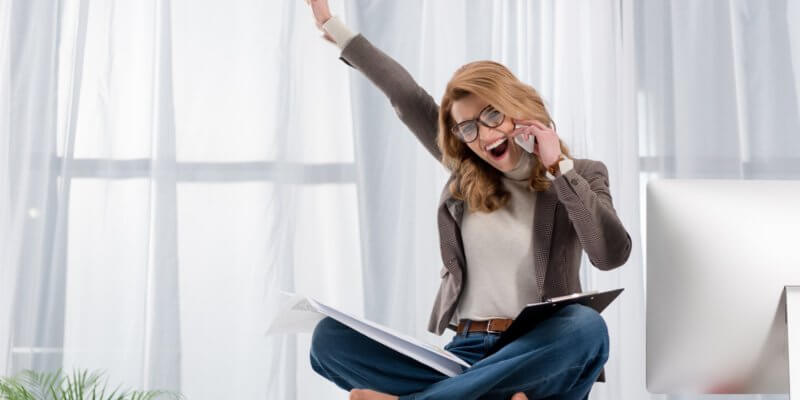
<point>340,33</point>
<point>561,167</point>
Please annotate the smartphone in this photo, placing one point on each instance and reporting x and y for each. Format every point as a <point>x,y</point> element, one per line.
<point>526,145</point>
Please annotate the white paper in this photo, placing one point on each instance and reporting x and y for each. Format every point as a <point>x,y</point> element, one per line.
<point>295,315</point>
<point>299,313</point>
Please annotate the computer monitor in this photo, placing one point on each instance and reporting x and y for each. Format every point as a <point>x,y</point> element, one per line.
<point>719,255</point>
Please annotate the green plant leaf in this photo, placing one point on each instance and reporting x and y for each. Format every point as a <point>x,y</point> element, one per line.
<point>79,385</point>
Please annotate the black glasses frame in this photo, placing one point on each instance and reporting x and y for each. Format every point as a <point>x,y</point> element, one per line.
<point>456,129</point>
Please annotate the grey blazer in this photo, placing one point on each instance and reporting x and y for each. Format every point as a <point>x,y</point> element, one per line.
<point>575,213</point>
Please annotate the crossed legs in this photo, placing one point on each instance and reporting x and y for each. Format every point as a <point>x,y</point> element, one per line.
<point>559,359</point>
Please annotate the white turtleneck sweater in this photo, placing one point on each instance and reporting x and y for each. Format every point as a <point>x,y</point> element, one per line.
<point>498,246</point>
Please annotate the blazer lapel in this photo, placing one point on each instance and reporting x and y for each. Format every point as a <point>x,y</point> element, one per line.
<point>543,221</point>
<point>450,211</point>
<point>454,206</point>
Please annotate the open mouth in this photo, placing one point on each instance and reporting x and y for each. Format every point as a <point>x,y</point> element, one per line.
<point>498,149</point>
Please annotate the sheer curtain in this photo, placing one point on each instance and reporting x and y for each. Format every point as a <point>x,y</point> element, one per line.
<point>166,167</point>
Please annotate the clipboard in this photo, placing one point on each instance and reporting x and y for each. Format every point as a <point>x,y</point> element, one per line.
<point>534,313</point>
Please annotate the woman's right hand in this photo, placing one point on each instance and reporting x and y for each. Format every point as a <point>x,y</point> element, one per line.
<point>322,14</point>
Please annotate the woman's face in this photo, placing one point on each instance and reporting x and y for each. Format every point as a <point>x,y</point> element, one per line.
<point>493,145</point>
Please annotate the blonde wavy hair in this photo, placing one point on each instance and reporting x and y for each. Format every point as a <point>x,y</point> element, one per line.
<point>476,181</point>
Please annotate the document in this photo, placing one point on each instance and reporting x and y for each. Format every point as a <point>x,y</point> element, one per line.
<point>300,313</point>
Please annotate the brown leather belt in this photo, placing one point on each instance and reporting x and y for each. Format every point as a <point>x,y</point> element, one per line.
<point>498,325</point>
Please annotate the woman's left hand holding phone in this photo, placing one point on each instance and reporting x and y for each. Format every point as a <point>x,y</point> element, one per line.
<point>547,146</point>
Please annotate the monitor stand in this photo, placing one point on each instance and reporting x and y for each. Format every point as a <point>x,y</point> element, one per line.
<point>793,336</point>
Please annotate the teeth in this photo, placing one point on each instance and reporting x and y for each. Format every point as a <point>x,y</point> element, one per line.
<point>497,143</point>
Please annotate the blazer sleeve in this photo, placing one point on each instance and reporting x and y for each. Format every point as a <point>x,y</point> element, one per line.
<point>587,198</point>
<point>415,107</point>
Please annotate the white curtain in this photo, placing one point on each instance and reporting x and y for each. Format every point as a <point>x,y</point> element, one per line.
<point>166,167</point>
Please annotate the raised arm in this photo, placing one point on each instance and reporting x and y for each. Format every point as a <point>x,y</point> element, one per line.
<point>415,107</point>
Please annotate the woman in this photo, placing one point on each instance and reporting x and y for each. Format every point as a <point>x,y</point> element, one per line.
<point>512,227</point>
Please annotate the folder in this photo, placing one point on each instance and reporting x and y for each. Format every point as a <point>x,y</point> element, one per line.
<point>532,314</point>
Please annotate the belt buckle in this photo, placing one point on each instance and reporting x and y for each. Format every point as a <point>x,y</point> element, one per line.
<point>489,327</point>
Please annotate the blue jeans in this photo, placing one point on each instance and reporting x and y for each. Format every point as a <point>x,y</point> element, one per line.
<point>559,359</point>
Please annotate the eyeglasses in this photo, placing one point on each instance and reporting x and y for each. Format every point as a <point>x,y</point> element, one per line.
<point>467,131</point>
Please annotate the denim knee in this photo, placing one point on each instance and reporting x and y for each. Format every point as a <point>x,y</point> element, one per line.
<point>590,327</point>
<point>330,345</point>
<point>325,337</point>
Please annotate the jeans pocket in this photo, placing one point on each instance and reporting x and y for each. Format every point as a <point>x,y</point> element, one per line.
<point>473,344</point>
<point>489,341</point>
